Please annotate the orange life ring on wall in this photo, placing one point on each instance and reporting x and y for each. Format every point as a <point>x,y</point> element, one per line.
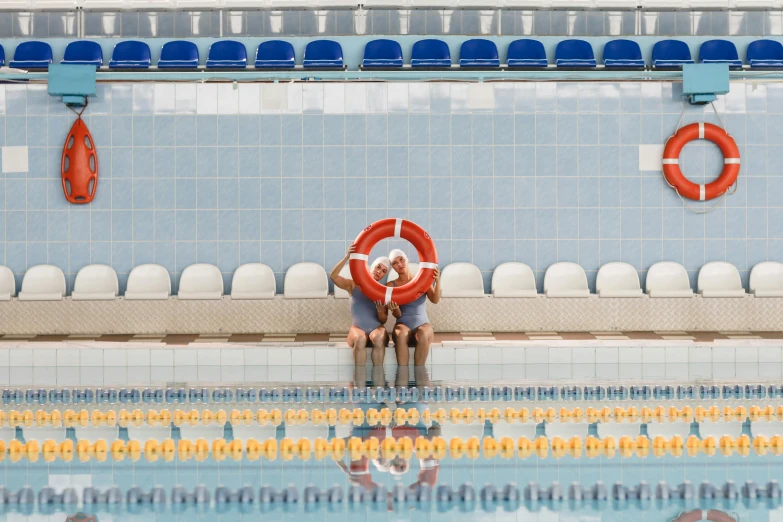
<point>671,159</point>
<point>703,514</point>
<point>391,227</point>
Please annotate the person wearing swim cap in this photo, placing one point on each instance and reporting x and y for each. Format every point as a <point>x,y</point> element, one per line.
<point>368,317</point>
<point>413,326</point>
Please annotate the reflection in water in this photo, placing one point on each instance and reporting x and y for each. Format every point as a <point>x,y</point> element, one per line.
<point>366,472</point>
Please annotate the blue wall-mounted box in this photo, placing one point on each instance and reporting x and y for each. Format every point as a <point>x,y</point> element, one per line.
<point>702,82</point>
<point>74,82</point>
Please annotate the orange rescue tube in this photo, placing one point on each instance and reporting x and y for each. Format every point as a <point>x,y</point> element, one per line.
<point>79,166</point>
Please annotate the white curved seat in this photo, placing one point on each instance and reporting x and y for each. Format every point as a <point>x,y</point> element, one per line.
<point>306,281</point>
<point>146,432</point>
<point>43,283</point>
<point>626,4</point>
<point>513,430</point>
<point>668,279</point>
<point>148,282</point>
<point>766,279</point>
<point>94,433</point>
<point>618,280</point>
<point>7,284</point>
<point>253,281</point>
<point>200,281</point>
<point>567,430</point>
<point>720,279</point>
<point>513,280</point>
<point>44,433</point>
<point>720,428</point>
<point>566,279</point>
<point>200,431</point>
<point>461,280</point>
<point>339,293</point>
<point>245,432</point>
<point>618,429</point>
<point>105,4</point>
<point>413,267</point>
<point>668,429</point>
<point>96,283</point>
<point>56,4</point>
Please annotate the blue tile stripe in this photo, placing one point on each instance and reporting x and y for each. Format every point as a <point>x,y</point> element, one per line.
<point>529,172</point>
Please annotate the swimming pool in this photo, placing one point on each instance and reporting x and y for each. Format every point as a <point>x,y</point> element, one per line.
<point>384,441</point>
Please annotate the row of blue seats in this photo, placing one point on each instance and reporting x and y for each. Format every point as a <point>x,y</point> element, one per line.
<point>429,53</point>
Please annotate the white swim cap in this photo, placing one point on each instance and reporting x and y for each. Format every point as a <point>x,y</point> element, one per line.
<point>394,254</point>
<point>383,260</point>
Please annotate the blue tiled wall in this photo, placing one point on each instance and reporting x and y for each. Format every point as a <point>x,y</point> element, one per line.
<point>533,172</point>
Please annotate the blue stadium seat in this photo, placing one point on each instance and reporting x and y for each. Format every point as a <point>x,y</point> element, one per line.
<point>130,55</point>
<point>430,53</point>
<point>2,56</point>
<point>720,51</point>
<point>670,54</point>
<point>623,54</point>
<point>478,53</point>
<point>526,53</point>
<point>275,54</point>
<point>227,54</point>
<point>765,54</point>
<point>83,52</point>
<point>178,54</point>
<point>382,53</point>
<point>321,54</point>
<point>32,55</point>
<point>574,53</point>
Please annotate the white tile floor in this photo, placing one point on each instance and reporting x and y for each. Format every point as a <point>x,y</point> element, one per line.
<point>90,363</point>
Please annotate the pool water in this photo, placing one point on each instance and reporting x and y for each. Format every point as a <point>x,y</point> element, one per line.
<point>409,448</point>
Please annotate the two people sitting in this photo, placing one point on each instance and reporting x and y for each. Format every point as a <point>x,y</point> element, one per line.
<point>412,326</point>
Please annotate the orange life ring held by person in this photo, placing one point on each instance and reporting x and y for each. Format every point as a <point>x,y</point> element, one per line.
<point>408,291</point>
<point>413,326</point>
<point>671,161</point>
<point>368,317</point>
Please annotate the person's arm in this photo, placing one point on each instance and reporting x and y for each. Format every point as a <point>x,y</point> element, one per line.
<point>393,307</point>
<point>434,292</point>
<point>340,281</point>
<point>383,312</point>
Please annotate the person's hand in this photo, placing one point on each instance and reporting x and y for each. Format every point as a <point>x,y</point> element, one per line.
<point>437,274</point>
<point>351,250</point>
<point>379,305</point>
<point>393,306</point>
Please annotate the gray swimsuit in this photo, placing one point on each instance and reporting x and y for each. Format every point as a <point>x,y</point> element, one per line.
<point>414,314</point>
<point>363,311</point>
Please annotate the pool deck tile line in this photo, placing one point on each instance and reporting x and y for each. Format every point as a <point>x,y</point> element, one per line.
<point>440,337</point>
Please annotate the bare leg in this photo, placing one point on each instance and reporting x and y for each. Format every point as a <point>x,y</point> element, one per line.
<point>379,339</point>
<point>421,376</point>
<point>401,337</point>
<point>378,377</point>
<point>424,336</point>
<point>359,376</point>
<point>403,376</point>
<point>357,340</point>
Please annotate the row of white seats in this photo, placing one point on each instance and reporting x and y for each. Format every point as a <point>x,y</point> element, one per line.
<point>21,5</point>
<point>664,279</point>
<point>309,281</point>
